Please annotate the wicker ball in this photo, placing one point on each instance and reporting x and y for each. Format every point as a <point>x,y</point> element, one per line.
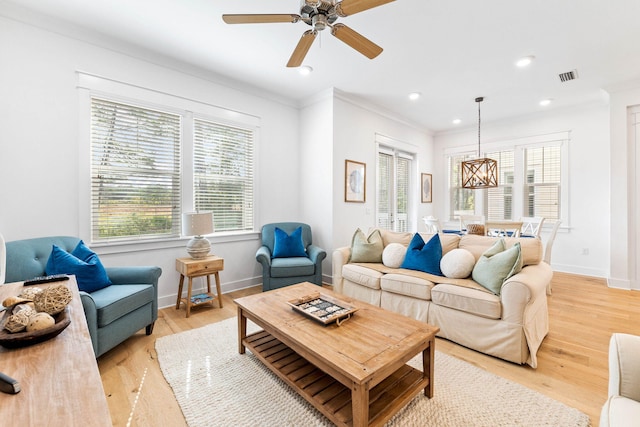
<point>475,229</point>
<point>30,293</point>
<point>17,322</point>
<point>53,299</point>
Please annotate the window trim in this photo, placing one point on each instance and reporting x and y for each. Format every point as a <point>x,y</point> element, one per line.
<point>92,85</point>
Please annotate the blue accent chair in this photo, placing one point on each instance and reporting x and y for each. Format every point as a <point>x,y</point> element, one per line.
<point>280,272</point>
<point>113,313</point>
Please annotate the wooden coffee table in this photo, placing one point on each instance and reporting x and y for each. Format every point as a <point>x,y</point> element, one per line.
<point>355,374</point>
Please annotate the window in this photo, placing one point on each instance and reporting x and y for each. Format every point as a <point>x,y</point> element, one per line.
<point>153,159</point>
<point>394,172</point>
<point>532,172</point>
<point>223,174</point>
<point>461,200</point>
<point>135,172</point>
<point>542,189</point>
<point>499,200</point>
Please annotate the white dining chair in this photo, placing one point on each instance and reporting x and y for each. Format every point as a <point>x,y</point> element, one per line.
<point>549,246</point>
<point>465,220</point>
<point>531,225</point>
<point>503,228</point>
<point>432,224</point>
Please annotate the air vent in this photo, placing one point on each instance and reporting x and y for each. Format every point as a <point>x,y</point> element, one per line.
<point>569,75</point>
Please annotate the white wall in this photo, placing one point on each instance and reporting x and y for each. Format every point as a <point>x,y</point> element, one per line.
<point>589,151</point>
<point>40,165</point>
<point>355,129</point>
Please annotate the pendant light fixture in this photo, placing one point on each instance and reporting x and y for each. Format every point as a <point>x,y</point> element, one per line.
<point>480,172</point>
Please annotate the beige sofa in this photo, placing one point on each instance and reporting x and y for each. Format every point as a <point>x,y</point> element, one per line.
<point>510,326</point>
<point>622,407</point>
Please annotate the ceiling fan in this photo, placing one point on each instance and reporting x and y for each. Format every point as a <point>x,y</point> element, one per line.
<point>319,15</point>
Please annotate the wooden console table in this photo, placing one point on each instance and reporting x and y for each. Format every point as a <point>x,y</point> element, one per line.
<point>60,381</point>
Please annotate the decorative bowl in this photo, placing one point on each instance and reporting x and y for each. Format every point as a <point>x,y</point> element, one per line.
<point>23,339</point>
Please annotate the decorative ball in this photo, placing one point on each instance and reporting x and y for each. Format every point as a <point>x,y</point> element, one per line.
<point>13,300</point>
<point>17,322</point>
<point>393,255</point>
<point>40,321</point>
<point>30,293</point>
<point>457,263</point>
<point>53,299</point>
<point>28,307</point>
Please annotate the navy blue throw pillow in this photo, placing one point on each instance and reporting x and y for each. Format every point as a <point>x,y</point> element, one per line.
<point>287,246</point>
<point>424,257</point>
<point>83,263</point>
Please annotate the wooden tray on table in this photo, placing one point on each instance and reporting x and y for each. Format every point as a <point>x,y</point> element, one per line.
<point>323,308</point>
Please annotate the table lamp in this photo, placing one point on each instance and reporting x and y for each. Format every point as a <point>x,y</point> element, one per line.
<point>197,224</point>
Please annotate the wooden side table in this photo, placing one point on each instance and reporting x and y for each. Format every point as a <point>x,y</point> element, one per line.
<point>191,268</point>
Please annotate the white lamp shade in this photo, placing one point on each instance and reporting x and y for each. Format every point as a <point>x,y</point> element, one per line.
<point>197,223</point>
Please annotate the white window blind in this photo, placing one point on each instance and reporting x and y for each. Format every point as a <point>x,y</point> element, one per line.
<point>462,200</point>
<point>543,168</point>
<point>135,172</point>
<point>499,200</point>
<point>223,174</point>
<point>383,190</point>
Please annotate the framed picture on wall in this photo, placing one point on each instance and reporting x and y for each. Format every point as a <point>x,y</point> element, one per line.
<point>426,192</point>
<point>355,181</point>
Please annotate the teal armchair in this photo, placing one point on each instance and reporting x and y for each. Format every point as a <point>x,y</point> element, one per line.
<point>113,313</point>
<point>280,272</point>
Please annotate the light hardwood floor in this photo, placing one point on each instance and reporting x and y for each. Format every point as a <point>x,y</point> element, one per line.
<point>572,362</point>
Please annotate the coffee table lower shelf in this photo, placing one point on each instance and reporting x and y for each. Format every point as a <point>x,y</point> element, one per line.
<point>328,395</point>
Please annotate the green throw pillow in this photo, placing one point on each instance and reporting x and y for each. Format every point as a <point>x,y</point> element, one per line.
<point>496,265</point>
<point>366,249</point>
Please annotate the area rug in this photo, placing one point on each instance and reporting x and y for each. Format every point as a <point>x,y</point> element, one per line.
<point>216,386</point>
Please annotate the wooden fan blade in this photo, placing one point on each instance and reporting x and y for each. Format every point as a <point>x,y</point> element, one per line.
<point>260,19</point>
<point>356,41</point>
<point>302,48</point>
<point>349,7</point>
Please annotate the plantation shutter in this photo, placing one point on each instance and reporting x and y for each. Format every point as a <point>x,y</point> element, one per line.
<point>403,168</point>
<point>135,172</point>
<point>384,192</point>
<point>499,200</point>
<point>462,200</point>
<point>223,174</point>
<point>542,181</point>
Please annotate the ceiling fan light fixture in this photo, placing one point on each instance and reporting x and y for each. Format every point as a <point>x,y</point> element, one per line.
<point>305,70</point>
<point>481,172</point>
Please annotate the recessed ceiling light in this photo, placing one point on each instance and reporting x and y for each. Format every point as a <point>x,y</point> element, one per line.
<point>545,102</point>
<point>414,95</point>
<point>525,61</point>
<point>456,121</point>
<point>305,70</point>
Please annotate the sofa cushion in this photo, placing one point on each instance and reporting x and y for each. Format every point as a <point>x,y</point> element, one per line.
<point>448,242</point>
<point>362,275</point>
<point>288,245</point>
<point>423,256</point>
<point>457,264</point>
<point>90,273</point>
<point>496,265</point>
<point>289,267</point>
<point>366,249</point>
<point>531,249</point>
<point>410,286</point>
<point>475,301</point>
<point>116,301</point>
<point>393,255</point>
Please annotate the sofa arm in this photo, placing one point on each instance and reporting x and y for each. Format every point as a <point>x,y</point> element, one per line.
<point>339,258</point>
<point>624,366</point>
<point>134,275</point>
<point>91,315</point>
<point>530,284</point>
<point>263,256</point>
<point>316,254</point>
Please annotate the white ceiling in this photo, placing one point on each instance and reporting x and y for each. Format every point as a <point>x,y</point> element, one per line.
<point>450,51</point>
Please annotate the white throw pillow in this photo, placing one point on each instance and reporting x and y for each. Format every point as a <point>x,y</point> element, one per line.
<point>393,255</point>
<point>457,264</point>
